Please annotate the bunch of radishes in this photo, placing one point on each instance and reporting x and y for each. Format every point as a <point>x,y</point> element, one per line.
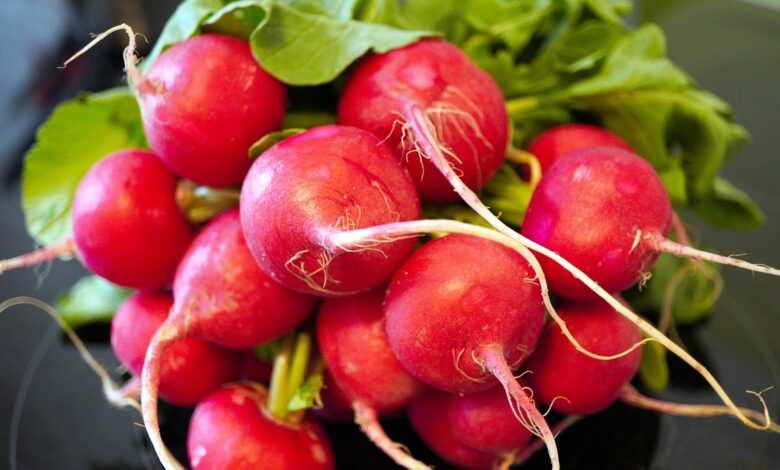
<point>453,330</point>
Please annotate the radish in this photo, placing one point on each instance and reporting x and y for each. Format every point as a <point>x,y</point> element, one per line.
<point>311,186</point>
<point>606,211</point>
<point>191,368</point>
<point>572,383</point>
<point>429,416</point>
<point>221,295</point>
<point>232,430</point>
<point>353,343</point>
<point>482,421</point>
<point>126,224</point>
<point>463,309</point>
<point>461,105</point>
<point>204,102</point>
<point>554,143</point>
<point>127,227</point>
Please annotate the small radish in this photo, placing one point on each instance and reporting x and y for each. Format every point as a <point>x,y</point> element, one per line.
<point>573,383</point>
<point>554,143</point>
<point>191,368</point>
<point>353,343</point>
<point>482,421</point>
<point>458,103</point>
<point>224,297</point>
<point>429,416</point>
<point>605,211</point>
<point>232,430</point>
<point>126,224</point>
<point>596,208</point>
<point>203,102</point>
<point>312,186</point>
<point>221,295</point>
<point>463,309</point>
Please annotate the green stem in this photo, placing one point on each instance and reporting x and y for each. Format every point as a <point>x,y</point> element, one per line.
<point>528,159</point>
<point>278,396</point>
<point>518,106</point>
<point>201,203</point>
<point>300,363</point>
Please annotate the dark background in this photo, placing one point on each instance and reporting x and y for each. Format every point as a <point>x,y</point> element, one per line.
<point>52,414</point>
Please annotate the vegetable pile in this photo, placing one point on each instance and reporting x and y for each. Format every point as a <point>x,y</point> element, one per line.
<point>304,210</point>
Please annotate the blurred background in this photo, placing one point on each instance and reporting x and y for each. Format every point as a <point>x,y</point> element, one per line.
<point>52,414</point>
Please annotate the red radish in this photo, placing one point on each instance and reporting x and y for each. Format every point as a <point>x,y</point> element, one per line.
<point>573,383</point>
<point>204,102</point>
<point>254,369</point>
<point>482,421</point>
<point>601,209</point>
<point>463,309</point>
<point>312,186</point>
<point>225,297</point>
<point>554,143</point>
<point>353,343</point>
<point>191,368</point>
<point>232,430</point>
<point>221,295</point>
<point>126,224</point>
<point>429,416</point>
<point>462,105</point>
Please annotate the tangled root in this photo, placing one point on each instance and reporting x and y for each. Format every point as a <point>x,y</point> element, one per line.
<point>116,396</point>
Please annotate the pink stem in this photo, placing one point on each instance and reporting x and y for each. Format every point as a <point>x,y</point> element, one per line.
<point>150,384</point>
<point>366,417</point>
<point>522,406</point>
<point>631,396</point>
<point>668,246</point>
<point>41,255</point>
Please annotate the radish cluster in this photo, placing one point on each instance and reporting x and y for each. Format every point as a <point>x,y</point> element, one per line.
<point>328,225</point>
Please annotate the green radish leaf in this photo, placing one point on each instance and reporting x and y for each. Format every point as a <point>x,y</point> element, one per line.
<point>237,18</point>
<point>90,300</point>
<point>308,395</point>
<point>302,48</point>
<point>442,16</point>
<point>77,134</point>
<point>653,370</point>
<point>691,287</point>
<point>609,10</point>
<point>267,141</point>
<point>183,24</point>
<point>729,208</point>
<point>513,22</point>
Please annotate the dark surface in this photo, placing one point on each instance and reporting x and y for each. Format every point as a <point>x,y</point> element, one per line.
<point>52,414</point>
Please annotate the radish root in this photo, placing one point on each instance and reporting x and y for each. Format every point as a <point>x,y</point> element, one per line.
<point>367,419</point>
<point>665,245</point>
<point>421,126</point>
<point>521,403</point>
<point>116,396</point>
<point>150,384</point>
<point>535,446</point>
<point>41,255</point>
<point>134,75</point>
<point>631,396</point>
